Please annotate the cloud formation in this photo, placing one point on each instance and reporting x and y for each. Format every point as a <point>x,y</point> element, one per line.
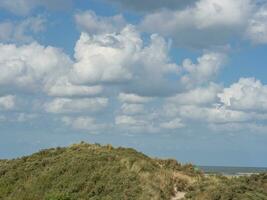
<point>173,124</point>
<point>21,31</point>
<point>62,87</point>
<point>123,80</point>
<point>122,57</point>
<point>84,105</point>
<point>85,123</point>
<point>30,66</point>
<point>89,22</point>
<point>7,102</point>
<point>198,96</point>
<point>133,98</point>
<point>206,69</point>
<point>257,26</point>
<point>24,7</point>
<point>248,94</point>
<point>210,23</point>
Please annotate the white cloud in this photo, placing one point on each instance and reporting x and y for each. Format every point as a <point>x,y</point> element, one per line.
<point>113,59</point>
<point>21,31</point>
<point>257,27</point>
<point>247,94</point>
<point>24,7</point>
<point>209,13</point>
<point>30,66</point>
<point>197,96</point>
<point>206,69</point>
<point>62,87</point>
<point>7,102</point>
<point>132,109</point>
<point>135,124</point>
<point>204,111</point>
<point>207,23</point>
<point>84,123</point>
<point>173,124</point>
<point>133,98</point>
<point>66,105</point>
<point>210,23</point>
<point>123,120</point>
<point>212,114</point>
<point>241,106</point>
<point>123,58</point>
<point>89,22</point>
<point>105,58</point>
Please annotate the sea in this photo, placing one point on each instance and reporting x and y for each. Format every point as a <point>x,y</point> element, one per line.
<point>232,171</point>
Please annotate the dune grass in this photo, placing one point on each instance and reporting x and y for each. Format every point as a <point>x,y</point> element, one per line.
<point>92,172</point>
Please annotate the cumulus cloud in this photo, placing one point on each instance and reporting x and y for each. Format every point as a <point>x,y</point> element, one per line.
<point>210,23</point>
<point>103,58</point>
<point>128,121</point>
<point>248,94</point>
<point>24,7</point>
<point>89,22</point>
<point>212,114</point>
<point>173,124</point>
<point>132,109</point>
<point>198,96</point>
<point>62,87</point>
<point>115,62</point>
<point>21,31</point>
<point>207,23</point>
<point>257,27</point>
<point>30,66</point>
<point>206,68</point>
<point>150,120</point>
<point>67,105</point>
<point>133,104</point>
<point>36,68</point>
<point>85,124</point>
<point>133,98</point>
<point>241,105</point>
<point>136,124</point>
<point>117,58</point>
<point>7,102</point>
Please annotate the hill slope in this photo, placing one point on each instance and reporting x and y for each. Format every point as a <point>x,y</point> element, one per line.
<point>91,172</point>
<point>230,188</point>
<point>94,172</point>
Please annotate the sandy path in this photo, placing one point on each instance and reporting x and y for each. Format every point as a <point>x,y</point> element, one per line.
<point>178,195</point>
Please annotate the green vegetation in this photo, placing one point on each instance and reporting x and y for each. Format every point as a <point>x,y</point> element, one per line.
<point>232,188</point>
<point>94,172</point>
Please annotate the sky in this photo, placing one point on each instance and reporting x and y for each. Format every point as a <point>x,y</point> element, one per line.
<point>183,79</point>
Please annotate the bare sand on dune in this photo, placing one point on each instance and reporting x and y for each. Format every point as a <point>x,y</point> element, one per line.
<point>179,195</point>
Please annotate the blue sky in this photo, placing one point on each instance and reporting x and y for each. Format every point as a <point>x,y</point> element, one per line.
<point>180,79</point>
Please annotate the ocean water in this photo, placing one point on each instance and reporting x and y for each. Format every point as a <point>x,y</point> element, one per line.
<point>232,170</point>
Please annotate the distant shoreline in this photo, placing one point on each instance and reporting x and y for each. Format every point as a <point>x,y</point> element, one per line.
<point>232,171</point>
